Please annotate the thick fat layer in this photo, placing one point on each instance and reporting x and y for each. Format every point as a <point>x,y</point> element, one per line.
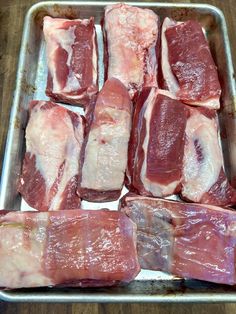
<point>153,172</point>
<point>72,59</point>
<point>132,38</point>
<point>188,240</point>
<point>70,248</point>
<point>106,145</point>
<point>54,137</point>
<point>187,65</point>
<point>204,180</point>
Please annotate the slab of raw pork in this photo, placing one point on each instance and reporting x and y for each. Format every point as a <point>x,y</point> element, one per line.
<point>131,40</point>
<point>70,248</point>
<point>54,137</point>
<point>71,47</point>
<point>187,240</point>
<point>104,152</point>
<point>156,145</point>
<point>204,179</point>
<point>188,68</point>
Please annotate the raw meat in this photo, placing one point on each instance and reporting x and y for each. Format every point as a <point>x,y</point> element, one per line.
<point>71,47</point>
<point>70,248</point>
<point>131,40</point>
<point>187,240</point>
<point>104,153</point>
<point>156,147</point>
<point>204,179</point>
<point>54,137</point>
<point>188,68</point>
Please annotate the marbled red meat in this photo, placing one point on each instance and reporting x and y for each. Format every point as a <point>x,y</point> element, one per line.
<point>70,248</point>
<point>131,38</point>
<point>156,146</point>
<point>104,152</point>
<point>188,240</point>
<point>72,59</point>
<point>54,137</point>
<point>188,68</point>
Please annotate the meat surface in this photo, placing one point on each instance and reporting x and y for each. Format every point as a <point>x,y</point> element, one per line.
<point>188,68</point>
<point>69,248</point>
<point>156,146</point>
<point>72,60</point>
<point>204,179</point>
<point>188,240</point>
<point>104,152</point>
<point>131,37</point>
<point>54,137</point>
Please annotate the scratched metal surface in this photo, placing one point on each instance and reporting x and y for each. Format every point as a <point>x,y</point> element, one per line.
<point>149,286</point>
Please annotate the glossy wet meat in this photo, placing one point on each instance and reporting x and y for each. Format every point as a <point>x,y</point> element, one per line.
<point>188,240</point>
<point>67,248</point>
<point>188,68</point>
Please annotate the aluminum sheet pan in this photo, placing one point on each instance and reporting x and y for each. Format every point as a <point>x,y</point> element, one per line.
<point>149,286</point>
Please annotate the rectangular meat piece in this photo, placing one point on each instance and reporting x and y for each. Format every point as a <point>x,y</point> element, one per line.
<point>54,137</point>
<point>188,240</point>
<point>80,248</point>
<point>156,146</point>
<point>188,68</point>
<point>104,152</point>
<point>204,179</point>
<point>72,60</point>
<point>131,40</point>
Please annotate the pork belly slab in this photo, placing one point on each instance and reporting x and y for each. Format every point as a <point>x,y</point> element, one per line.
<point>104,152</point>
<point>188,68</point>
<point>54,137</point>
<point>72,60</point>
<point>156,147</point>
<point>71,248</point>
<point>204,179</point>
<point>131,37</point>
<point>187,240</point>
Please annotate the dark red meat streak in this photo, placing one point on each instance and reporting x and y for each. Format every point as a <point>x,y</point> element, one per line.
<point>166,140</point>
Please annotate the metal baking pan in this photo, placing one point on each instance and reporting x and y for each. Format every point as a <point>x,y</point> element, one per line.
<point>149,286</point>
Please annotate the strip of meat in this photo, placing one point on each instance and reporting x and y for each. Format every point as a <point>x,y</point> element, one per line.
<point>131,37</point>
<point>54,137</point>
<point>157,144</point>
<point>70,248</point>
<point>104,153</point>
<point>187,240</point>
<point>204,179</point>
<point>72,60</point>
<point>188,68</point>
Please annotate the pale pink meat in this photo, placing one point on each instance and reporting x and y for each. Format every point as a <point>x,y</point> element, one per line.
<point>71,48</point>
<point>83,248</point>
<point>131,37</point>
<point>54,137</point>
<point>188,240</point>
